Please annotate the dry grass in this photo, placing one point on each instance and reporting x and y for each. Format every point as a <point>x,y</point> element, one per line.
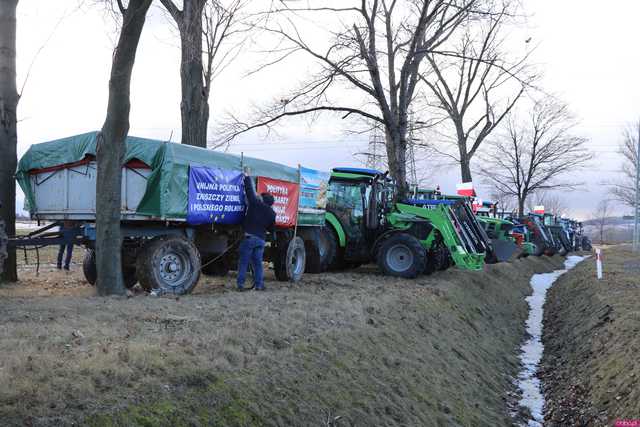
<point>591,368</point>
<point>352,348</point>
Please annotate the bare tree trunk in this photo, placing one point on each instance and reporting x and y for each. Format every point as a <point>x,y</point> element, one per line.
<point>521,202</point>
<point>111,149</point>
<point>8,129</point>
<point>194,107</point>
<point>465,169</point>
<point>397,158</point>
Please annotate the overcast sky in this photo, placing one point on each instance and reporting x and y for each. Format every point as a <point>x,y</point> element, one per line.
<point>587,52</point>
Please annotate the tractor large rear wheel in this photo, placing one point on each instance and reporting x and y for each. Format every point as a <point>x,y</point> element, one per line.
<point>321,253</point>
<point>401,255</point>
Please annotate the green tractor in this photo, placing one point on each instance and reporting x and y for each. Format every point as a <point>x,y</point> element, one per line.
<point>500,231</point>
<point>365,223</point>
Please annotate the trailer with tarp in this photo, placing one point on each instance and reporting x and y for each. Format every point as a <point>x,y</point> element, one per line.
<point>181,209</point>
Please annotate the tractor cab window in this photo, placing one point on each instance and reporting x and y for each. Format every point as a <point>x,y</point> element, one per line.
<point>345,201</point>
<point>346,196</point>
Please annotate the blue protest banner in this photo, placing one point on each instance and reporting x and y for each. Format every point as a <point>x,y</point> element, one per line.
<point>215,196</point>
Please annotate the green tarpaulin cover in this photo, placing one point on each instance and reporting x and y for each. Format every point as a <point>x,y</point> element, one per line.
<point>167,186</point>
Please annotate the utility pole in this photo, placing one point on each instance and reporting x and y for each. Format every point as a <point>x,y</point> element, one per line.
<point>636,222</point>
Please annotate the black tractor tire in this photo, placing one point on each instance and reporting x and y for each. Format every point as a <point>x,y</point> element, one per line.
<point>289,260</point>
<point>4,240</point>
<point>89,267</point>
<point>170,264</point>
<point>129,277</point>
<point>320,252</point>
<point>586,244</point>
<point>215,267</point>
<point>401,255</point>
<point>490,257</point>
<point>444,259</point>
<point>91,272</point>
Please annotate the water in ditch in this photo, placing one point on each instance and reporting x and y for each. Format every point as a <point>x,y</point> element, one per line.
<point>532,349</point>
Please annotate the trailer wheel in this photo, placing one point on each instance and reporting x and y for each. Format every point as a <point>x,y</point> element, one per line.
<point>401,255</point>
<point>219,267</point>
<point>321,252</point>
<point>129,277</point>
<point>169,263</point>
<point>290,259</point>
<point>91,272</point>
<point>3,246</point>
<point>89,266</point>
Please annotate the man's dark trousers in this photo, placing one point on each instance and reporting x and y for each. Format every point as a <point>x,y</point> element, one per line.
<point>67,260</point>
<point>251,251</point>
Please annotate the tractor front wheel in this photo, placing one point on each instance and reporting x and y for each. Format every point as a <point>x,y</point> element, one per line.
<point>401,255</point>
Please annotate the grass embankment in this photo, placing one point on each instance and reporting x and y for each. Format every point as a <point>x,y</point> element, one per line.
<point>591,363</point>
<point>351,348</point>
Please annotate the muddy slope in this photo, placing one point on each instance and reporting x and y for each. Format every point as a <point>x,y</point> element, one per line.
<point>591,363</point>
<point>338,349</point>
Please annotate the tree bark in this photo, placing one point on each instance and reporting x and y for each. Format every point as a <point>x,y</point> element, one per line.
<point>397,158</point>
<point>521,202</point>
<point>8,129</point>
<point>465,169</point>
<point>111,149</point>
<point>194,106</point>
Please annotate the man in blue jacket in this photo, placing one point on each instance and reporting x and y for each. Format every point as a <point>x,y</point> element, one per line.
<point>259,218</point>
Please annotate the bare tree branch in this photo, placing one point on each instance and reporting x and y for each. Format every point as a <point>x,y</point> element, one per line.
<point>475,84</point>
<point>535,154</point>
<point>376,50</point>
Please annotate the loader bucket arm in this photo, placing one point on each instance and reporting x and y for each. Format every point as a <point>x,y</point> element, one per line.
<point>445,221</point>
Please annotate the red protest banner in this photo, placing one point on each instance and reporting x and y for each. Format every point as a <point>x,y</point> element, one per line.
<point>286,199</point>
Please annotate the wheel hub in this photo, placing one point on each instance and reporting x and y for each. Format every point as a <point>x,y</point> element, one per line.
<point>399,258</point>
<point>172,268</point>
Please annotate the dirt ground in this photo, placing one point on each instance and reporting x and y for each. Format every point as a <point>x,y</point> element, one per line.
<point>342,349</point>
<point>591,363</point>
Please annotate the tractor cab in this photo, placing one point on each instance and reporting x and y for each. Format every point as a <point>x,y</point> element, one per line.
<point>358,200</point>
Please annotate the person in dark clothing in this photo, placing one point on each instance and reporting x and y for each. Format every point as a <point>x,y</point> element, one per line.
<point>259,218</point>
<point>67,230</point>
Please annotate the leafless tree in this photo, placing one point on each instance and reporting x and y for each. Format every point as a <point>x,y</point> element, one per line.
<point>553,203</point>
<point>111,149</point>
<point>370,68</point>
<point>505,202</point>
<point>212,23</point>
<point>476,84</point>
<point>601,218</point>
<point>625,190</point>
<point>536,154</point>
<point>8,130</point>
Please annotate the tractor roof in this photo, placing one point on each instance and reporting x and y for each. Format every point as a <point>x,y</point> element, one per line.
<point>359,171</point>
